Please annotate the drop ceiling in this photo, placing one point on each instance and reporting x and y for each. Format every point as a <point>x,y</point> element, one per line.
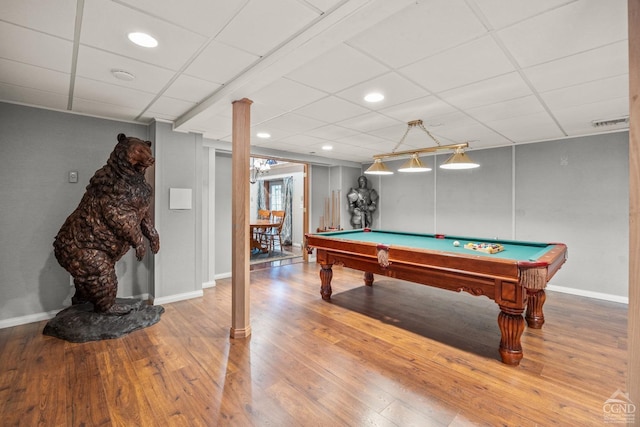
<point>488,72</point>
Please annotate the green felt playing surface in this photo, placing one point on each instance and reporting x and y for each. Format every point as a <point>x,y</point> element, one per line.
<point>515,250</point>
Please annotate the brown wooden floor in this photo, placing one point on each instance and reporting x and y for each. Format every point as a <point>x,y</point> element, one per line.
<point>397,354</point>
<point>297,257</point>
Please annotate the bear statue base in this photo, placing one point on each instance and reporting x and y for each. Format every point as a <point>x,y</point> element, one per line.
<point>79,323</point>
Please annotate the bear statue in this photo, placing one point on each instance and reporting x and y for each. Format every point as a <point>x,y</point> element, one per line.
<point>113,216</point>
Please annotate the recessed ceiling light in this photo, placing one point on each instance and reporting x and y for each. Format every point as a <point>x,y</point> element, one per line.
<point>374,97</point>
<point>123,75</point>
<point>263,135</point>
<point>143,39</point>
<point>327,147</point>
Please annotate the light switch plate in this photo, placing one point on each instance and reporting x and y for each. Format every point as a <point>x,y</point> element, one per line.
<point>73,176</point>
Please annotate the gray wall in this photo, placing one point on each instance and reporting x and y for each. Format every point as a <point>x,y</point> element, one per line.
<point>476,202</point>
<point>222,215</point>
<point>581,198</point>
<point>37,150</point>
<point>319,186</point>
<point>178,265</point>
<point>573,191</point>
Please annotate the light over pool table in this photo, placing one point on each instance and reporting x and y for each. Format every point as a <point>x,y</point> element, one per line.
<point>514,278</point>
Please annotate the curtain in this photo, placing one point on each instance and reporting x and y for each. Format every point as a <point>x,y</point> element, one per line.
<point>262,198</point>
<point>288,209</point>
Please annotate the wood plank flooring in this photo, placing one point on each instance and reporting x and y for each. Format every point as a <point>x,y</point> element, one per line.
<point>397,354</point>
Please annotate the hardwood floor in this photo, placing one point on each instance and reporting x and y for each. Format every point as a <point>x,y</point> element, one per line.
<point>297,257</point>
<point>397,354</point>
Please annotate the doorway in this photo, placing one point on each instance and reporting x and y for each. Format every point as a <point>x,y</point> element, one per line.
<point>280,185</point>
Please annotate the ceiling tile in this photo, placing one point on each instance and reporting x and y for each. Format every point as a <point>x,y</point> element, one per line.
<point>371,143</point>
<point>100,109</point>
<point>523,106</point>
<point>30,96</point>
<point>287,94</point>
<point>56,18</point>
<point>212,126</point>
<point>547,36</point>
<point>323,5</point>
<point>424,109</point>
<point>331,109</point>
<point>415,137</point>
<point>502,13</point>
<point>261,113</point>
<point>92,90</point>
<point>458,128</point>
<point>451,119</point>
<point>44,51</point>
<point>456,72</point>
<point>261,26</point>
<point>169,107</point>
<point>532,127</point>
<point>586,93</point>
<point>106,25</point>
<point>317,150</point>
<point>290,147</point>
<point>469,63</point>
<point>97,64</point>
<point>293,123</point>
<point>607,61</point>
<point>419,31</point>
<point>577,120</point>
<point>490,91</point>
<point>191,89</point>
<point>211,66</point>
<point>395,88</point>
<point>368,122</point>
<point>333,132</point>
<point>276,134</point>
<point>477,135</point>
<point>19,74</point>
<point>212,15</point>
<point>310,143</point>
<point>337,69</point>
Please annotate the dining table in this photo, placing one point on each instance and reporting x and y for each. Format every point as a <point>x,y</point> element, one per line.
<point>264,225</point>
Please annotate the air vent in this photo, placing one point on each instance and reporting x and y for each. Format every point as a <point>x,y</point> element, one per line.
<point>610,122</point>
<point>123,75</point>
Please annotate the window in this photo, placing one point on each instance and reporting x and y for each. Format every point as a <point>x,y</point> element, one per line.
<point>275,196</point>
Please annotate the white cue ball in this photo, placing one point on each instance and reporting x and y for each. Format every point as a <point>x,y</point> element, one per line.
<point>456,243</point>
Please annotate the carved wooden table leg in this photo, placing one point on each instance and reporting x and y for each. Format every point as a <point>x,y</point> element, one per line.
<point>535,316</point>
<point>368,278</point>
<point>511,326</point>
<point>326,274</point>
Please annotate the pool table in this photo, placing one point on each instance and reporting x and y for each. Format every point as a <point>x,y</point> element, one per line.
<point>514,278</point>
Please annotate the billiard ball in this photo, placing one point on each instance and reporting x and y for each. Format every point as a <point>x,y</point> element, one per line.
<point>456,243</point>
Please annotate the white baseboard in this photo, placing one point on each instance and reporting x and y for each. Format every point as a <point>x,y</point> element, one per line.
<point>210,284</point>
<point>37,317</point>
<point>177,297</point>
<point>223,275</point>
<point>589,294</point>
<point>30,318</point>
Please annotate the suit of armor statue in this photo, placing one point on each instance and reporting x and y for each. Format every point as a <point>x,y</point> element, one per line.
<point>363,202</point>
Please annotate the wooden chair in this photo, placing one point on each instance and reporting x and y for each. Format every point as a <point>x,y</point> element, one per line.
<point>262,214</point>
<point>274,233</point>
